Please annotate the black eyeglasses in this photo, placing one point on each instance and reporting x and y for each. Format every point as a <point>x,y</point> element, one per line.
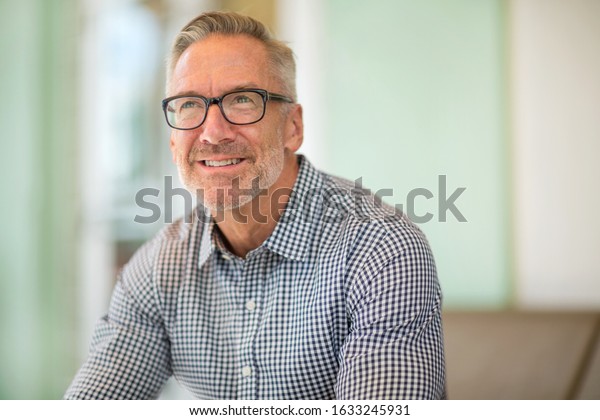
<point>241,107</point>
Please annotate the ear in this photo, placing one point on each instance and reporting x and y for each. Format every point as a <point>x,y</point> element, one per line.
<point>294,126</point>
<point>172,147</point>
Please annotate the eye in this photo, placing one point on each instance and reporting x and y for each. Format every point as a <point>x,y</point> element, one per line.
<point>190,104</point>
<point>242,99</point>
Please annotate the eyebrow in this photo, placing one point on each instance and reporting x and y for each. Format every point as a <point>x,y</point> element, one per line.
<point>233,89</point>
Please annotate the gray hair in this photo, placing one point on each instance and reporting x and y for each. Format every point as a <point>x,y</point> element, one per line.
<point>281,57</point>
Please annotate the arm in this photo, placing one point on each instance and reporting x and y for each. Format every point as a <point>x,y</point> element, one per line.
<point>394,349</point>
<point>129,356</point>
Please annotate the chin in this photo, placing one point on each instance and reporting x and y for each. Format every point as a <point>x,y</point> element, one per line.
<point>219,198</point>
<point>221,203</point>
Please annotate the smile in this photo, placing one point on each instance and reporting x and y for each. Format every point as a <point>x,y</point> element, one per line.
<point>217,163</point>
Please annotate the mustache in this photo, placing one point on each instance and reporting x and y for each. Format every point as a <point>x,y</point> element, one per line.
<point>204,150</point>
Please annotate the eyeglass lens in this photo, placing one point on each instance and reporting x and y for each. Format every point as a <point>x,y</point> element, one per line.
<point>237,107</point>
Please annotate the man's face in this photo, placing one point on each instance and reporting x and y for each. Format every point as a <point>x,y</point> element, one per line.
<point>229,164</point>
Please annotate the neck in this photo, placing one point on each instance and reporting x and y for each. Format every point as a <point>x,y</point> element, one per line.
<point>245,228</point>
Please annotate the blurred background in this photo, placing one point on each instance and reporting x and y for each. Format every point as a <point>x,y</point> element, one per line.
<point>500,97</point>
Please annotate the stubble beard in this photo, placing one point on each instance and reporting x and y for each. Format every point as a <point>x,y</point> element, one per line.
<point>219,193</point>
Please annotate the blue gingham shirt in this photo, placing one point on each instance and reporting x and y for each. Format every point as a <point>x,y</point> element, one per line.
<point>341,301</point>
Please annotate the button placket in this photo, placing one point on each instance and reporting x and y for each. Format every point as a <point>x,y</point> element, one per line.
<point>252,279</point>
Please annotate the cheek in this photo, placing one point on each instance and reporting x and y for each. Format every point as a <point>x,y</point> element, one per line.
<point>181,143</point>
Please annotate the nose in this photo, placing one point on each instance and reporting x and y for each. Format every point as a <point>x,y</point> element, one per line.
<point>215,129</point>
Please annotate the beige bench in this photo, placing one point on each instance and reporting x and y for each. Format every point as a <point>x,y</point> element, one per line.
<point>522,355</point>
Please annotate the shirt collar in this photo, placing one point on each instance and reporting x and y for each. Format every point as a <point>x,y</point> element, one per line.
<point>207,244</point>
<point>297,226</point>
<point>292,234</point>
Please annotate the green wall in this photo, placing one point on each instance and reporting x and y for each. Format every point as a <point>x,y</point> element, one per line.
<point>416,89</point>
<point>37,179</point>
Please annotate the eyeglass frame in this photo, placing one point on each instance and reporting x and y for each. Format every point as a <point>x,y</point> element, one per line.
<point>218,100</point>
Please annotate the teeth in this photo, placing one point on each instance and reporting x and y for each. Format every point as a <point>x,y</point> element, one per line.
<point>222,162</point>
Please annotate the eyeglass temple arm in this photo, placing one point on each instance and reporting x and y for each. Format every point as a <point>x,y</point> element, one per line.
<point>276,97</point>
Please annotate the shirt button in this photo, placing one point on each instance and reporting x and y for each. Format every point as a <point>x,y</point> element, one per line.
<point>246,371</point>
<point>251,305</point>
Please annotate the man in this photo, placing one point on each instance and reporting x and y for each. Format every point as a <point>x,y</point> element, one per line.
<point>292,284</point>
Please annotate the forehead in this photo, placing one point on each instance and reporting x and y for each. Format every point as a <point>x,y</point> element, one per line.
<point>219,63</point>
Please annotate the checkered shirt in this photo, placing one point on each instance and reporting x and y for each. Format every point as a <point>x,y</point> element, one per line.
<point>341,301</point>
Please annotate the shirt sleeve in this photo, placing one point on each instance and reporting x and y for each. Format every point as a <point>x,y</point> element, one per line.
<point>129,356</point>
<point>394,350</point>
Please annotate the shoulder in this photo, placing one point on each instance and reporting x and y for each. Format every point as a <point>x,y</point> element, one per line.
<point>379,245</point>
<point>374,229</point>
<point>171,236</point>
<point>158,261</point>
